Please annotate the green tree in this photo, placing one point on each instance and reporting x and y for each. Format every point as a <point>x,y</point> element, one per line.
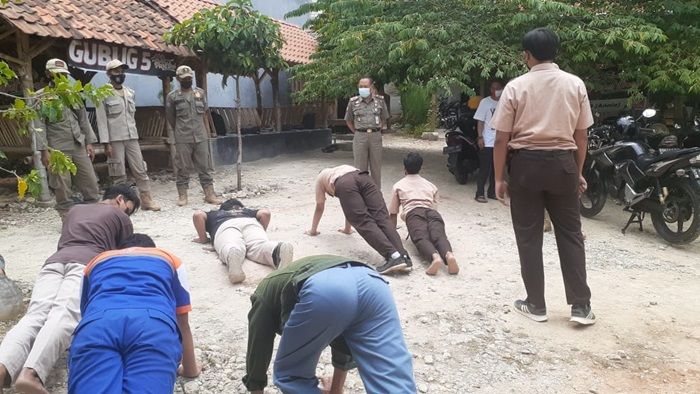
<point>236,41</point>
<point>645,47</point>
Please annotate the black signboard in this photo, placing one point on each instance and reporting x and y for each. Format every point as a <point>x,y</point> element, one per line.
<point>93,55</point>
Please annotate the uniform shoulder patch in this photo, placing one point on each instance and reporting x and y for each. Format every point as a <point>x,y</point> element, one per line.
<point>355,98</point>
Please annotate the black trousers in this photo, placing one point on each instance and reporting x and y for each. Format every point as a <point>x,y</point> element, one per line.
<point>364,207</point>
<point>486,173</point>
<point>548,180</point>
<point>427,230</point>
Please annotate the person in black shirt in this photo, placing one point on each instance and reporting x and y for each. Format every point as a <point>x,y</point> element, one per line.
<point>238,232</point>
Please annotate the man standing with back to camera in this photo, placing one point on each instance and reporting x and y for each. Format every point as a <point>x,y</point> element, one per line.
<point>542,118</point>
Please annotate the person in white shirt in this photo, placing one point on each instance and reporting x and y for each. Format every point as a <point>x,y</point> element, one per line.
<point>487,138</point>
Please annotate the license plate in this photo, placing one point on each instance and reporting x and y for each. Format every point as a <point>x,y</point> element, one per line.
<point>451,149</point>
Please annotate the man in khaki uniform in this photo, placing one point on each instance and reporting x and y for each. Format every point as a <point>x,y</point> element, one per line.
<point>117,129</point>
<point>186,110</point>
<point>72,135</point>
<point>366,117</point>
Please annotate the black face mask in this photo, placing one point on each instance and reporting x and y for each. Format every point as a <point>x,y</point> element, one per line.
<point>117,79</point>
<point>186,84</point>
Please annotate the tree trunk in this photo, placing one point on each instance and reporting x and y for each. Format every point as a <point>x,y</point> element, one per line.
<point>275,80</point>
<point>239,161</point>
<point>258,93</point>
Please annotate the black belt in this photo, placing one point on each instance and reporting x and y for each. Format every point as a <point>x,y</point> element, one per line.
<point>543,153</point>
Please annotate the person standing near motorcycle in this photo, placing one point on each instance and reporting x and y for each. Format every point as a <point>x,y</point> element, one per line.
<point>542,118</point>
<point>367,118</point>
<point>486,140</point>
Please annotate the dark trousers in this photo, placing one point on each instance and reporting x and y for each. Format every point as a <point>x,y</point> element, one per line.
<point>364,207</point>
<point>427,230</point>
<point>548,180</point>
<point>486,173</point>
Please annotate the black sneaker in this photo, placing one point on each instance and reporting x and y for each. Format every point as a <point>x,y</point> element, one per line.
<point>283,254</point>
<point>409,263</point>
<point>582,314</point>
<point>529,310</point>
<point>393,265</point>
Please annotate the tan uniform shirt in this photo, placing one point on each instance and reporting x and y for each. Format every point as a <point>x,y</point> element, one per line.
<point>73,130</point>
<point>115,117</point>
<point>367,114</point>
<point>185,112</point>
<point>325,182</point>
<point>411,192</point>
<point>543,108</point>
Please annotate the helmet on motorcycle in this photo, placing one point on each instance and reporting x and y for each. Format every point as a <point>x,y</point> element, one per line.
<point>473,102</point>
<point>624,124</point>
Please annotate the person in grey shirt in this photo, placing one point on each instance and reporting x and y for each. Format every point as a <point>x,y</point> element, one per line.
<point>71,134</point>
<point>116,125</point>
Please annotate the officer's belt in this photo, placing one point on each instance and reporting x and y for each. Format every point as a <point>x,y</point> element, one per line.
<point>368,130</point>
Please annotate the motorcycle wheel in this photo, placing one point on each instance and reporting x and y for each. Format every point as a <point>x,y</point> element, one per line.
<point>595,197</point>
<point>682,206</point>
<point>462,178</point>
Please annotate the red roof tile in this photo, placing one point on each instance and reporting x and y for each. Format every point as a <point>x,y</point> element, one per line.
<point>132,23</point>
<point>299,44</point>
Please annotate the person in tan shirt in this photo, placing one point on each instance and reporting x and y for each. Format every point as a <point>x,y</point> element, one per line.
<point>417,199</point>
<point>364,209</point>
<point>542,120</point>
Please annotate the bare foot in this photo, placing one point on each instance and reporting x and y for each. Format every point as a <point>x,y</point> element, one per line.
<point>28,382</point>
<point>434,266</point>
<point>452,266</point>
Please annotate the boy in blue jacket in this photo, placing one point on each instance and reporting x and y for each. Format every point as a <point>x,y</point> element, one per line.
<point>135,330</point>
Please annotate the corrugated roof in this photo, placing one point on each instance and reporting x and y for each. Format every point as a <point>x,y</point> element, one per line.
<point>132,23</point>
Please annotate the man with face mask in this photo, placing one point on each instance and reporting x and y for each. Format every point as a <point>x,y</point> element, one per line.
<point>186,110</point>
<point>367,118</point>
<point>542,118</point>
<point>116,124</point>
<point>72,135</point>
<point>487,137</point>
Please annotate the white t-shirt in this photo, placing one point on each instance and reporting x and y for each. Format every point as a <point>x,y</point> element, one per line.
<point>484,113</point>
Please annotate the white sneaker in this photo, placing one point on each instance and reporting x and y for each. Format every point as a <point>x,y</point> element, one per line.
<point>283,254</point>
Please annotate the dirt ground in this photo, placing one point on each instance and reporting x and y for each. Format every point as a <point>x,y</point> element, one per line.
<point>461,330</point>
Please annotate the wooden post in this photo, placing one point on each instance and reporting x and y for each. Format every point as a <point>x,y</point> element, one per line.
<point>275,81</point>
<point>169,132</point>
<point>239,160</point>
<point>27,80</point>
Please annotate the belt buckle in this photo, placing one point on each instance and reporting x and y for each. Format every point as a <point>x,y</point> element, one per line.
<point>370,131</point>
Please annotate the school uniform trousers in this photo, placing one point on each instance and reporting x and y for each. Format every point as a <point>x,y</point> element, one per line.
<point>239,238</point>
<point>427,231</point>
<point>364,207</point>
<point>355,303</point>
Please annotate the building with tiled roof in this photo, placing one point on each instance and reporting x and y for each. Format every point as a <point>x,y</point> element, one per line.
<point>130,23</point>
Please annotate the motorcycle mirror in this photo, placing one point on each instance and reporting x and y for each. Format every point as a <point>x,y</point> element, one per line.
<point>649,113</point>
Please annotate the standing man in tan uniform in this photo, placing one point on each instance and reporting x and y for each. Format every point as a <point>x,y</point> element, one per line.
<point>186,111</point>
<point>542,119</point>
<point>72,135</point>
<point>116,125</point>
<point>367,118</point>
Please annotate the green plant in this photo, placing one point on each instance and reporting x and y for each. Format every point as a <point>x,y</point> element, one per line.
<point>415,104</point>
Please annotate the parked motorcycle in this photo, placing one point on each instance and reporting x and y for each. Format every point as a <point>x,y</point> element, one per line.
<point>664,185</point>
<point>449,115</point>
<point>462,155</point>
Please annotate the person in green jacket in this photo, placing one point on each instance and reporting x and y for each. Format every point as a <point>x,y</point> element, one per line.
<point>327,300</point>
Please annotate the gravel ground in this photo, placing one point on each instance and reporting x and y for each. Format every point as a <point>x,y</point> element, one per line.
<point>461,330</point>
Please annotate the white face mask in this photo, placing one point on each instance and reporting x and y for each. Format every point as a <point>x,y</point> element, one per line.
<point>498,93</point>
<point>364,92</point>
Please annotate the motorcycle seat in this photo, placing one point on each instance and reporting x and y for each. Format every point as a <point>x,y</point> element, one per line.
<point>646,160</point>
